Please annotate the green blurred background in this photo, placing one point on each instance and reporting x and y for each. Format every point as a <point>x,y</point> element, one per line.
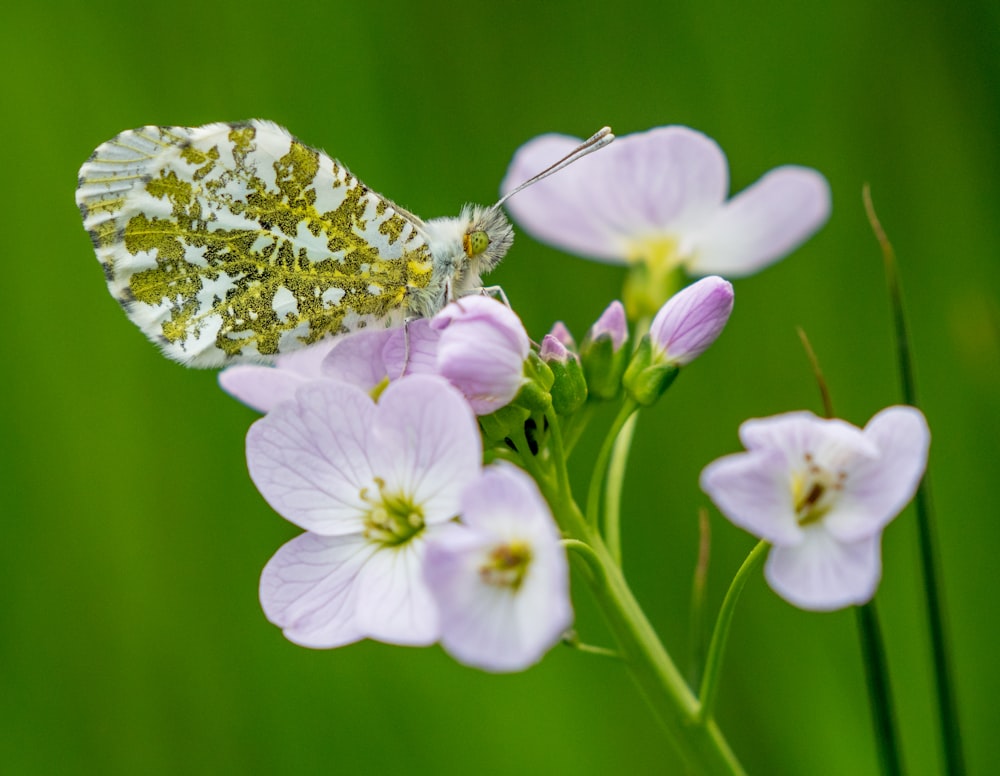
<point>131,637</point>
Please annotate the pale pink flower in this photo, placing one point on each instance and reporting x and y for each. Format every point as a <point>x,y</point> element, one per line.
<point>500,578</point>
<point>821,491</point>
<point>370,483</point>
<point>660,197</point>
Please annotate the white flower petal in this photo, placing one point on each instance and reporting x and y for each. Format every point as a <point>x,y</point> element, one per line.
<point>822,573</point>
<point>426,444</point>
<point>663,181</point>
<point>394,603</point>
<point>308,457</point>
<point>761,224</point>
<point>753,490</point>
<point>878,488</point>
<point>309,589</point>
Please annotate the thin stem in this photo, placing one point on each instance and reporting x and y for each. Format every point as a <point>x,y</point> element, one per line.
<point>616,485</point>
<point>948,721</point>
<point>877,676</point>
<point>702,746</point>
<point>600,471</point>
<point>698,631</point>
<point>713,664</point>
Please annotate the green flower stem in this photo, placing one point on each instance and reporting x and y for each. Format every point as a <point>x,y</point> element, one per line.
<point>713,663</point>
<point>577,423</point>
<point>877,677</point>
<point>700,743</point>
<point>948,721</point>
<point>600,473</point>
<point>616,484</point>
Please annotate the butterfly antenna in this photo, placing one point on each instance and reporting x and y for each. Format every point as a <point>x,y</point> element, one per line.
<point>593,143</point>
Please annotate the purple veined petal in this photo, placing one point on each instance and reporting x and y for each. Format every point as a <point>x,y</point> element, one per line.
<point>357,358</point>
<point>490,626</point>
<point>829,442</point>
<point>656,183</point>
<point>309,589</point>
<point>308,457</point>
<point>262,387</point>
<point>822,573</point>
<point>692,319</point>
<point>878,488</point>
<point>754,491</point>
<point>413,348</point>
<point>761,224</point>
<point>394,603</point>
<point>425,444</point>
<point>482,350</point>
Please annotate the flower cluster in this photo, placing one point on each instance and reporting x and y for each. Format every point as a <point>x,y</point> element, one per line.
<point>375,444</point>
<point>377,488</point>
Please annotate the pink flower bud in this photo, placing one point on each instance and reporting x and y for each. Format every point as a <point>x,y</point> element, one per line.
<point>691,320</point>
<point>482,350</point>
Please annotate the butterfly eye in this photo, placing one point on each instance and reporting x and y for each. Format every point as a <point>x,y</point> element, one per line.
<point>475,243</point>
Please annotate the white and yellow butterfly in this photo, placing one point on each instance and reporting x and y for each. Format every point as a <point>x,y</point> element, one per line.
<point>236,242</point>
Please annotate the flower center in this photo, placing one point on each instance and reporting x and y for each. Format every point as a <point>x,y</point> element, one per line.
<point>654,274</point>
<point>815,490</point>
<point>393,518</point>
<point>506,566</point>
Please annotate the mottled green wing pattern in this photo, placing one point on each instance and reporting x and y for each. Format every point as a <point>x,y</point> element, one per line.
<point>236,242</point>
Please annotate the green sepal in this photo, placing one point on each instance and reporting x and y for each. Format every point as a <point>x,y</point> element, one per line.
<point>648,377</point>
<point>569,391</point>
<point>499,425</point>
<point>603,366</point>
<point>534,394</point>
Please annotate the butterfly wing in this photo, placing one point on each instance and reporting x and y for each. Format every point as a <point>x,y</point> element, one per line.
<point>236,242</point>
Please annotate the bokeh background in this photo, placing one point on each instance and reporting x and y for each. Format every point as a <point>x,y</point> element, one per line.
<point>131,640</point>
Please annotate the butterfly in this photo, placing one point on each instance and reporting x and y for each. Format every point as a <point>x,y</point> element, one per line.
<point>232,243</point>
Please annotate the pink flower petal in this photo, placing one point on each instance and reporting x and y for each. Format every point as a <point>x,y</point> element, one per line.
<point>394,603</point>
<point>878,488</point>
<point>357,358</point>
<point>413,349</point>
<point>426,444</point>
<point>692,319</point>
<point>822,573</point>
<point>491,626</point>
<point>482,350</point>
<point>308,457</point>
<point>662,181</point>
<point>262,387</point>
<point>309,589</point>
<point>753,490</point>
<point>761,224</point>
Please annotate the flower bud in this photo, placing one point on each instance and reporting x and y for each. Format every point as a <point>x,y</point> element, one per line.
<point>603,352</point>
<point>569,389</point>
<point>482,351</point>
<point>691,320</point>
<point>561,333</point>
<point>682,330</point>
